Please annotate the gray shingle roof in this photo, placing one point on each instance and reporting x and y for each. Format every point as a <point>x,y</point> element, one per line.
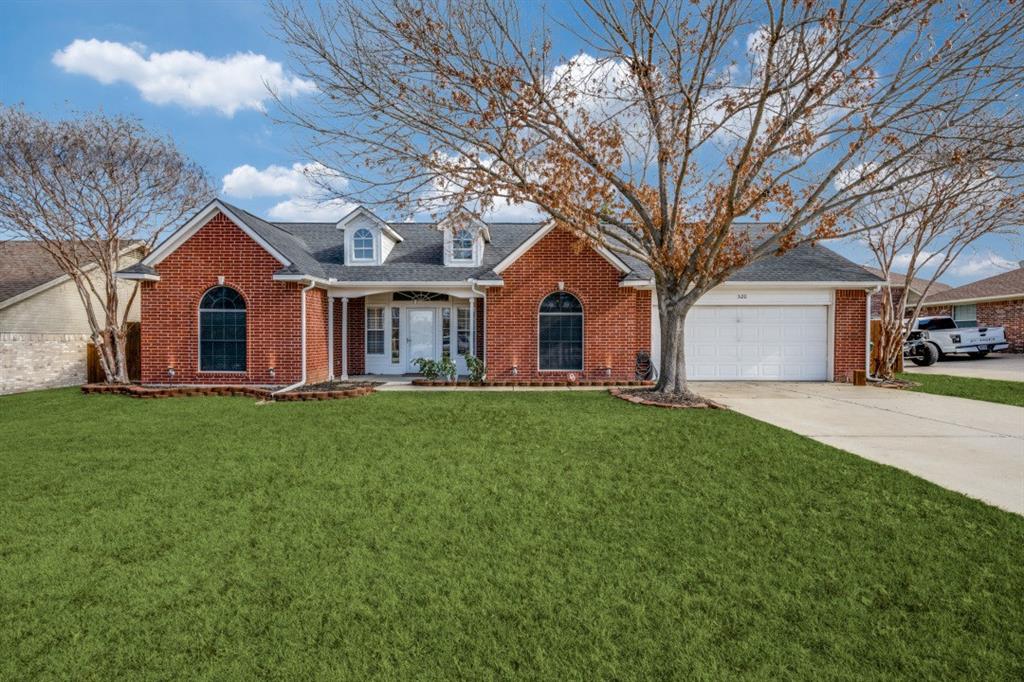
<point>318,250</point>
<point>418,258</point>
<point>805,263</point>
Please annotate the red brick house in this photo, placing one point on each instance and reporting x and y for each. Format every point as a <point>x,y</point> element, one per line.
<point>230,298</point>
<point>996,301</point>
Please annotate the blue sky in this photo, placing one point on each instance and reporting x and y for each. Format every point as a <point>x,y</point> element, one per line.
<point>193,70</point>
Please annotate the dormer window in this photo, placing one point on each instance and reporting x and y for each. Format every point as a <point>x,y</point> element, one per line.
<point>362,245</point>
<point>462,246</point>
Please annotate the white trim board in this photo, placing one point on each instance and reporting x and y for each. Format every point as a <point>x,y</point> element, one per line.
<point>185,232</point>
<point>363,211</point>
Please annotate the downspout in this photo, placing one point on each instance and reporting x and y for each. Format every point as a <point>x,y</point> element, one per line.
<point>301,381</point>
<point>483,295</point>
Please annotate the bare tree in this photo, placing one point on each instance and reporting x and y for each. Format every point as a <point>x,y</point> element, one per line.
<point>925,225</point>
<point>657,138</point>
<point>86,189</point>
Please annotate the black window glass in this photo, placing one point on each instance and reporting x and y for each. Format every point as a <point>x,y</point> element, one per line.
<point>561,332</point>
<point>222,342</point>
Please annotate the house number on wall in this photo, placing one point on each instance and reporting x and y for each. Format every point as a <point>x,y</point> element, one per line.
<point>742,297</point>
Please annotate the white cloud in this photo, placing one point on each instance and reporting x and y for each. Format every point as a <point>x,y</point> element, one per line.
<point>302,183</point>
<point>926,260</point>
<point>188,79</point>
<point>328,211</point>
<point>981,265</point>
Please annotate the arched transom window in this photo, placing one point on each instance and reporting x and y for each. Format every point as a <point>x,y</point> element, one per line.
<point>362,244</point>
<point>561,332</point>
<point>462,245</point>
<point>222,331</point>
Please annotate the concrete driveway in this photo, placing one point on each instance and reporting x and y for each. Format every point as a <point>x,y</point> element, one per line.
<point>1009,367</point>
<point>973,447</point>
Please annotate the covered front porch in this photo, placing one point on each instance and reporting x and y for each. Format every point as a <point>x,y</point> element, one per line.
<point>383,329</point>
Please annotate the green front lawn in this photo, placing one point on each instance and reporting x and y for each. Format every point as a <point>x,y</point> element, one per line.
<point>481,535</point>
<point>990,390</point>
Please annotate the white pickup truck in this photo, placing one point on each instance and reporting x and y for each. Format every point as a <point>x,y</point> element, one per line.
<point>932,338</point>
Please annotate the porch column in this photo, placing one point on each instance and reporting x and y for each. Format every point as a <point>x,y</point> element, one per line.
<point>344,338</point>
<point>330,338</point>
<point>472,326</point>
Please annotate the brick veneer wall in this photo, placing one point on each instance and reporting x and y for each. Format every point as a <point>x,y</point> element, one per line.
<point>616,320</point>
<point>170,309</point>
<point>316,336</point>
<point>356,337</point>
<point>1006,314</point>
<point>850,333</point>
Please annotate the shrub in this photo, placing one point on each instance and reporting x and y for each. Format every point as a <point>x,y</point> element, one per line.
<point>446,368</point>
<point>430,369</point>
<point>477,370</point>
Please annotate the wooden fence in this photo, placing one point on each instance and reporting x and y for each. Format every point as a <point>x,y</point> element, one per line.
<point>876,335</point>
<point>132,350</point>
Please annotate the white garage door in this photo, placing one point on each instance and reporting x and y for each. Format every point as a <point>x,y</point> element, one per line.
<point>757,343</point>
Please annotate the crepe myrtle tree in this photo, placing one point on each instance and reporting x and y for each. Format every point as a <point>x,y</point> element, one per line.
<point>923,226</point>
<point>672,122</point>
<point>87,189</point>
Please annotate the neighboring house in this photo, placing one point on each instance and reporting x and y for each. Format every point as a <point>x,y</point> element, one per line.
<point>996,301</point>
<point>897,281</point>
<point>230,298</point>
<point>43,326</point>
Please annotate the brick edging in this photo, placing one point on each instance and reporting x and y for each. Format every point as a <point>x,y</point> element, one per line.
<point>135,391</point>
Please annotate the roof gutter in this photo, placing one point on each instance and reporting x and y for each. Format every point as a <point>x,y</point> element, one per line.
<point>975,299</point>
<point>302,381</point>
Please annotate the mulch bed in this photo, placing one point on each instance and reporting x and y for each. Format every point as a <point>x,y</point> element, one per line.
<point>325,391</point>
<point>528,383</point>
<point>897,384</point>
<point>646,397</point>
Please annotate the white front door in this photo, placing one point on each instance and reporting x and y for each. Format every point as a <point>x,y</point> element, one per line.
<point>420,340</point>
<point>757,343</point>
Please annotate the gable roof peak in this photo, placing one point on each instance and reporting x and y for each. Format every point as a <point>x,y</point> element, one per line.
<point>362,211</point>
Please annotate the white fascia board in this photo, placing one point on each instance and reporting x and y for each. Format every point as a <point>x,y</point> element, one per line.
<point>183,233</point>
<point>490,282</point>
<point>138,276</point>
<point>619,264</point>
<point>301,278</point>
<point>524,247</point>
<point>363,211</point>
<point>480,225</point>
<point>801,285</point>
<point>974,299</point>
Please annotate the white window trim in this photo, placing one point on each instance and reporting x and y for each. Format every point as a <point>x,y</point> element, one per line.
<point>583,332</point>
<point>385,337</point>
<point>374,245</point>
<point>199,333</point>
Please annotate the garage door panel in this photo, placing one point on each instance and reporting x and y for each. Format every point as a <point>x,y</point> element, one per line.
<point>762,343</point>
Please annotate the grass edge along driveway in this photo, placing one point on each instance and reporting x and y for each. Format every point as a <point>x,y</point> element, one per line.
<point>988,390</point>
<point>482,535</point>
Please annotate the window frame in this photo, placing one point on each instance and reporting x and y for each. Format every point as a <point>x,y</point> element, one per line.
<point>583,335</point>
<point>973,320</point>
<point>456,247</point>
<point>199,330</point>
<point>373,246</point>
<point>367,330</point>
<point>395,336</point>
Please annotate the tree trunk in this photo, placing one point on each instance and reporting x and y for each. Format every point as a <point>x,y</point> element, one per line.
<point>110,346</point>
<point>672,380</point>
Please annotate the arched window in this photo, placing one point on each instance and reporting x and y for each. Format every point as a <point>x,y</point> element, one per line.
<point>362,244</point>
<point>561,332</point>
<point>222,331</point>
<point>462,245</point>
